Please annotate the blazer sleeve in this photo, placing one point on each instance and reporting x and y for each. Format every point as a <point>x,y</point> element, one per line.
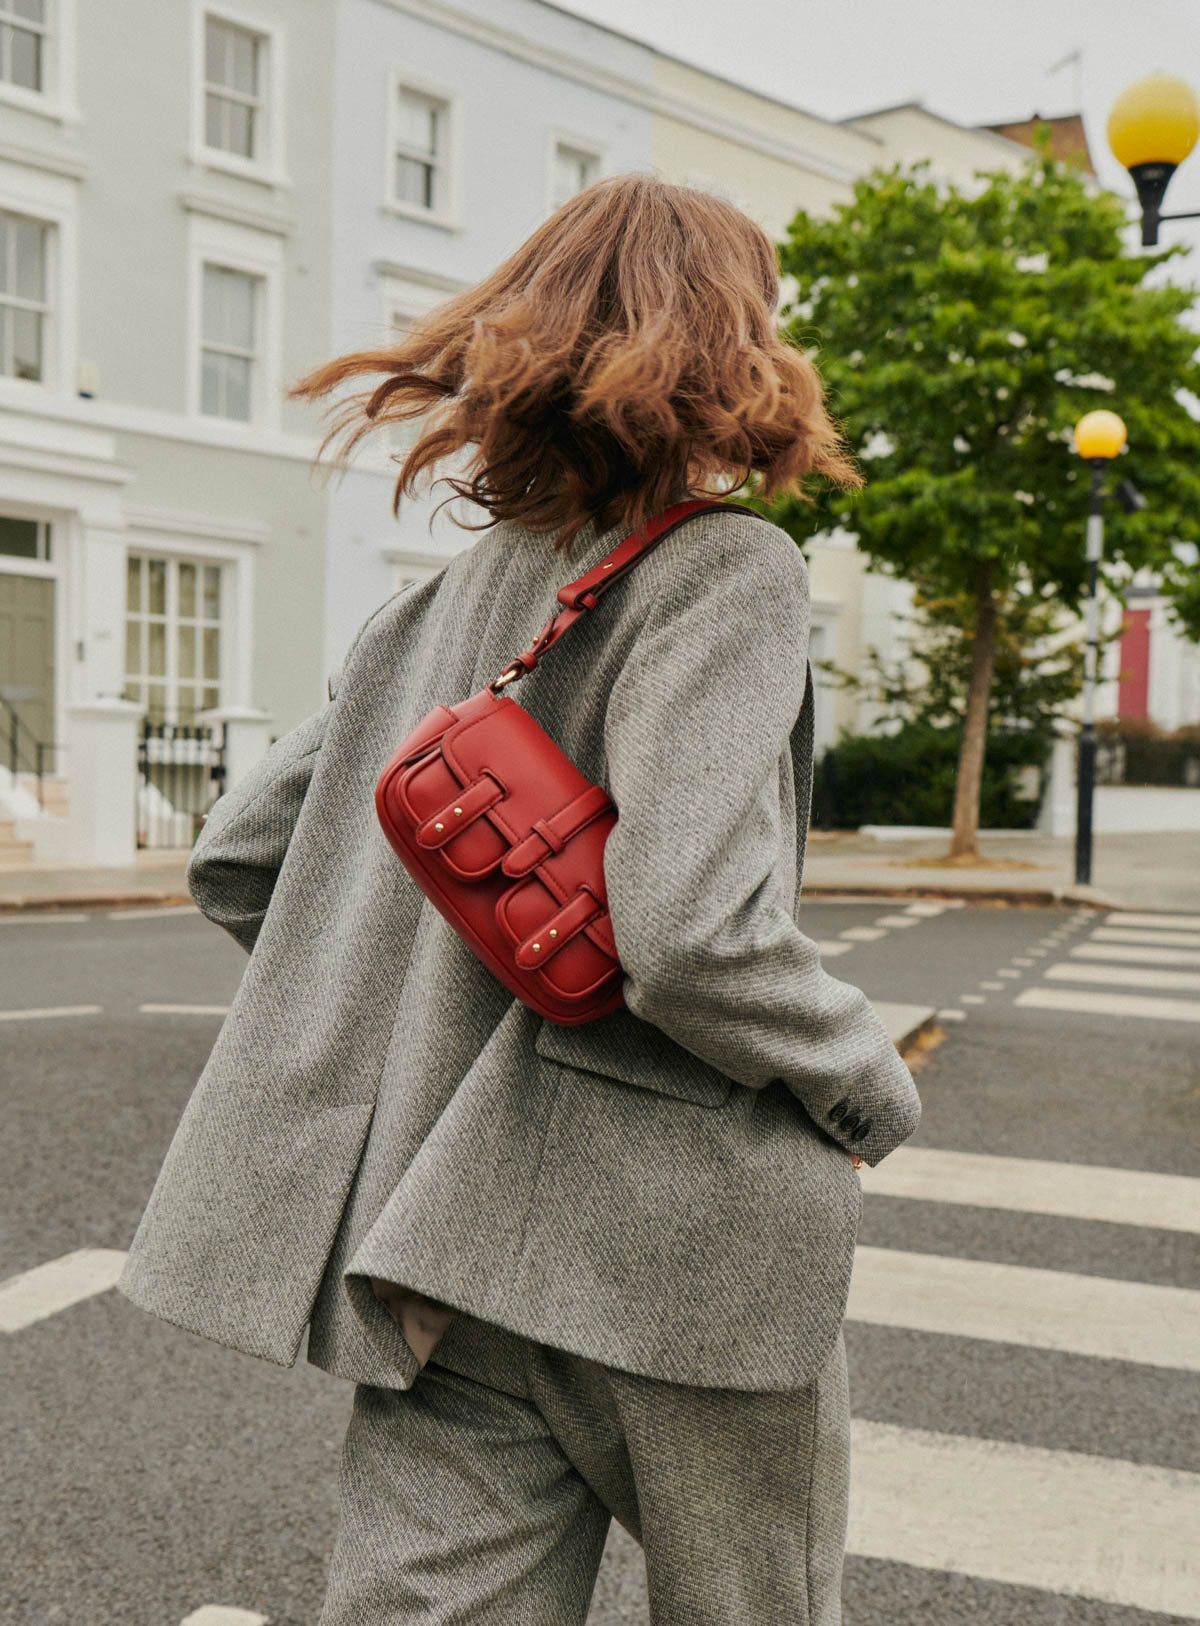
<point>239,852</point>
<point>696,730</point>
<point>241,846</point>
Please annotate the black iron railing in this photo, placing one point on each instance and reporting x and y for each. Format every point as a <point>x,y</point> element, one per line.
<point>1141,759</point>
<point>181,772</point>
<point>23,751</point>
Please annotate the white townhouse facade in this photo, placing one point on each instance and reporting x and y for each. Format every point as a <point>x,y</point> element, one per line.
<point>165,270</point>
<point>200,207</point>
<point>457,130</point>
<point>460,126</point>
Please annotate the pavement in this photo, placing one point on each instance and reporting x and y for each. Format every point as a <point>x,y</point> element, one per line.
<point>155,878</point>
<point>1022,1330</point>
<point>1146,870</point>
<point>1139,871</point>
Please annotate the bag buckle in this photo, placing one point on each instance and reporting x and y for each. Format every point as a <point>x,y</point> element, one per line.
<point>509,675</point>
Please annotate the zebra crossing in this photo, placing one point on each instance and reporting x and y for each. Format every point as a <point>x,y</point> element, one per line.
<point>1114,1534</point>
<point>1062,1521</point>
<point>1127,951</point>
<point>946,1497</point>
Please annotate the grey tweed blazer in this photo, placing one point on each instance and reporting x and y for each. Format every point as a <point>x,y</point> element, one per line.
<point>667,1189</point>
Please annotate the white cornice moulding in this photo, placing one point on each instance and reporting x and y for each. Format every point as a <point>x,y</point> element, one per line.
<point>647,96</point>
<point>168,521</point>
<point>75,465</point>
<point>204,203</point>
<point>39,443</point>
<point>73,165</point>
<point>416,273</point>
<point>134,420</point>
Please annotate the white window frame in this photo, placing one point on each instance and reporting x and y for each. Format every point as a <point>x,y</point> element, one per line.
<point>44,309</point>
<point>445,213</point>
<point>411,292</point>
<point>250,357</point>
<point>558,138</point>
<point>410,566</point>
<point>171,680</point>
<point>57,98</point>
<point>237,562</point>
<point>408,295</point>
<point>44,564</point>
<point>52,199</point>
<point>257,254</point>
<point>270,168</point>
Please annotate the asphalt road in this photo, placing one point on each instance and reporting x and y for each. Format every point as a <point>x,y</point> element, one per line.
<point>1024,1382</point>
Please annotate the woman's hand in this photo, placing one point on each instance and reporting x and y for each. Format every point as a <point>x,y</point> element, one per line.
<point>856,1160</point>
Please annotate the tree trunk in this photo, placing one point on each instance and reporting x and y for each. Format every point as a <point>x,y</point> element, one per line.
<point>964,840</point>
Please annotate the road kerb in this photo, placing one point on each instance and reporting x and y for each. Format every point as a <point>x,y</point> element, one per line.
<point>23,903</point>
<point>1042,897</point>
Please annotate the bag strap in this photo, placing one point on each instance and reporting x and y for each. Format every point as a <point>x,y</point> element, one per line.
<point>584,593</point>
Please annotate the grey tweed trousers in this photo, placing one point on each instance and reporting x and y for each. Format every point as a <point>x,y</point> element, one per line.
<point>484,1493</point>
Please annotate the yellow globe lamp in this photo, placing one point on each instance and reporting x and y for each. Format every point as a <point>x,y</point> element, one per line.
<point>1156,121</point>
<point>1152,128</point>
<point>1099,434</point>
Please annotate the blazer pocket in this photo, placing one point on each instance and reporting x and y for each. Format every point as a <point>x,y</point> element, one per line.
<point>621,1046</point>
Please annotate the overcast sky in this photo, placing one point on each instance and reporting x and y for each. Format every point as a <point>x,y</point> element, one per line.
<point>976,61</point>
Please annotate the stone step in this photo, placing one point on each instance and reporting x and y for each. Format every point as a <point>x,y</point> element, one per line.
<point>54,792</point>
<point>13,853</point>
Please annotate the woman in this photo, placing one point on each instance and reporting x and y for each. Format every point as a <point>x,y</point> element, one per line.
<point>575,1273</point>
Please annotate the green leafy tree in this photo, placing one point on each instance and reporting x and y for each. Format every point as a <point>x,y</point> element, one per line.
<point>962,333</point>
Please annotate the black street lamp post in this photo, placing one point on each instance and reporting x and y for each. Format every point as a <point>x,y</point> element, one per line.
<point>1099,436</point>
<point>1151,129</point>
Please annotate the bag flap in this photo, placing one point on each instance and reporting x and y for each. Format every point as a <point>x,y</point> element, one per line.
<point>622,1046</point>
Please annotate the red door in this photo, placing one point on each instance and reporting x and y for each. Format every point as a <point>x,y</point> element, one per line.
<point>1133,692</point>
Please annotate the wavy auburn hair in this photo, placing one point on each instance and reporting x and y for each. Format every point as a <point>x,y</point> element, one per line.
<point>627,352</point>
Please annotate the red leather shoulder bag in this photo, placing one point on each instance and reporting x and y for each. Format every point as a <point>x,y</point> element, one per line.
<point>505,835</point>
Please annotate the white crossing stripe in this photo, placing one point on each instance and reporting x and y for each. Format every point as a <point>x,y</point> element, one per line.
<point>950,1015</point>
<point>927,907</point>
<point>898,920</point>
<point>863,934</point>
<point>153,913</point>
<point>828,950</point>
<point>1123,934</point>
<point>47,1289</point>
<point>902,1021</point>
<point>1085,1001</point>
<point>972,999</point>
<point>1179,923</point>
<point>1062,1521</point>
<point>1127,976</point>
<point>993,987</point>
<point>1015,1304</point>
<point>1135,956</point>
<point>1165,1202</point>
<point>184,1010</point>
<point>39,1013</point>
<point>216,1614</point>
